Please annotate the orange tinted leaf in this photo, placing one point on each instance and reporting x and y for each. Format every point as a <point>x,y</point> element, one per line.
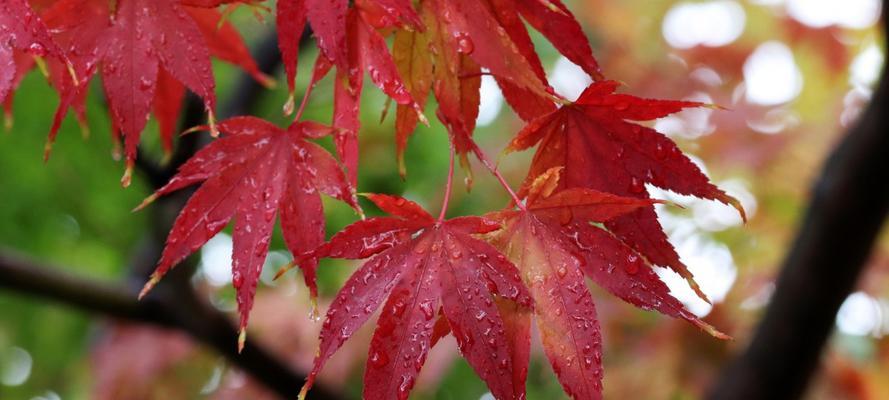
<point>566,316</point>
<point>410,50</point>
<point>400,207</point>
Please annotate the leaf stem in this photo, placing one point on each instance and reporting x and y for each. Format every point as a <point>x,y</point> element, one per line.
<point>448,186</point>
<point>302,104</point>
<point>493,168</point>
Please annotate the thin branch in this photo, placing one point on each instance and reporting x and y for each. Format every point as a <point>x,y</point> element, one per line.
<point>496,172</point>
<point>183,311</point>
<point>22,275</point>
<point>848,208</point>
<point>448,186</point>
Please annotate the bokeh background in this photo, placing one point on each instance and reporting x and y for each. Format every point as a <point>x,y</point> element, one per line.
<point>791,75</point>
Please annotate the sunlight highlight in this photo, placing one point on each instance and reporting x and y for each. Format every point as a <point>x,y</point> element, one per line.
<point>568,79</point>
<point>771,75</point>
<point>861,315</point>
<point>713,24</point>
<point>15,368</point>
<point>491,101</point>
<point>854,14</point>
<point>216,260</point>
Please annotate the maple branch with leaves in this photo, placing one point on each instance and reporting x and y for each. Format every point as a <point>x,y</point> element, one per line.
<point>582,211</point>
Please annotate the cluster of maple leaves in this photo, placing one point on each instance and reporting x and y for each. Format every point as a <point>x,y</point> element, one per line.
<point>582,212</point>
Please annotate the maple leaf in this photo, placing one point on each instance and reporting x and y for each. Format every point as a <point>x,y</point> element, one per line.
<point>461,37</point>
<point>21,31</point>
<point>555,21</point>
<point>255,171</point>
<point>21,63</point>
<point>225,43</point>
<point>329,23</point>
<point>553,244</point>
<point>417,266</point>
<point>599,147</point>
<point>492,34</point>
<point>526,103</point>
<point>149,52</point>
<point>145,36</point>
<point>359,47</point>
<point>383,14</point>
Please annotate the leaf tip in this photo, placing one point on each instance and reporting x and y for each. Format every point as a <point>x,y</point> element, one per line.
<point>284,269</point>
<point>84,129</point>
<point>710,329</point>
<point>47,150</point>
<point>314,315</point>
<point>385,111</point>
<point>738,206</point>
<point>127,177</point>
<point>41,66</point>
<point>420,115</point>
<point>242,339</point>
<point>195,129</point>
<point>266,81</point>
<point>402,167</point>
<point>716,107</point>
<point>148,200</point>
<point>211,121</point>
<point>305,390</point>
<point>7,120</point>
<point>697,289</point>
<point>149,285</point>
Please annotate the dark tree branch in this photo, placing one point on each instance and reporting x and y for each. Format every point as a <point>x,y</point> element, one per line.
<point>181,310</point>
<point>849,205</point>
<point>20,274</point>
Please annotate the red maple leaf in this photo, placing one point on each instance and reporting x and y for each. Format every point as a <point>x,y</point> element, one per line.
<point>255,171</point>
<point>599,147</point>
<point>553,244</point>
<point>329,21</point>
<point>419,265</point>
<point>146,51</point>
<point>352,44</point>
<point>21,32</point>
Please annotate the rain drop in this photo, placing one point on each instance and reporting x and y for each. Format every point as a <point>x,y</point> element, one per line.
<point>379,359</point>
<point>464,43</point>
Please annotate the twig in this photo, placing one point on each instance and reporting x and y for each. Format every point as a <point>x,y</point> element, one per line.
<point>448,186</point>
<point>849,205</point>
